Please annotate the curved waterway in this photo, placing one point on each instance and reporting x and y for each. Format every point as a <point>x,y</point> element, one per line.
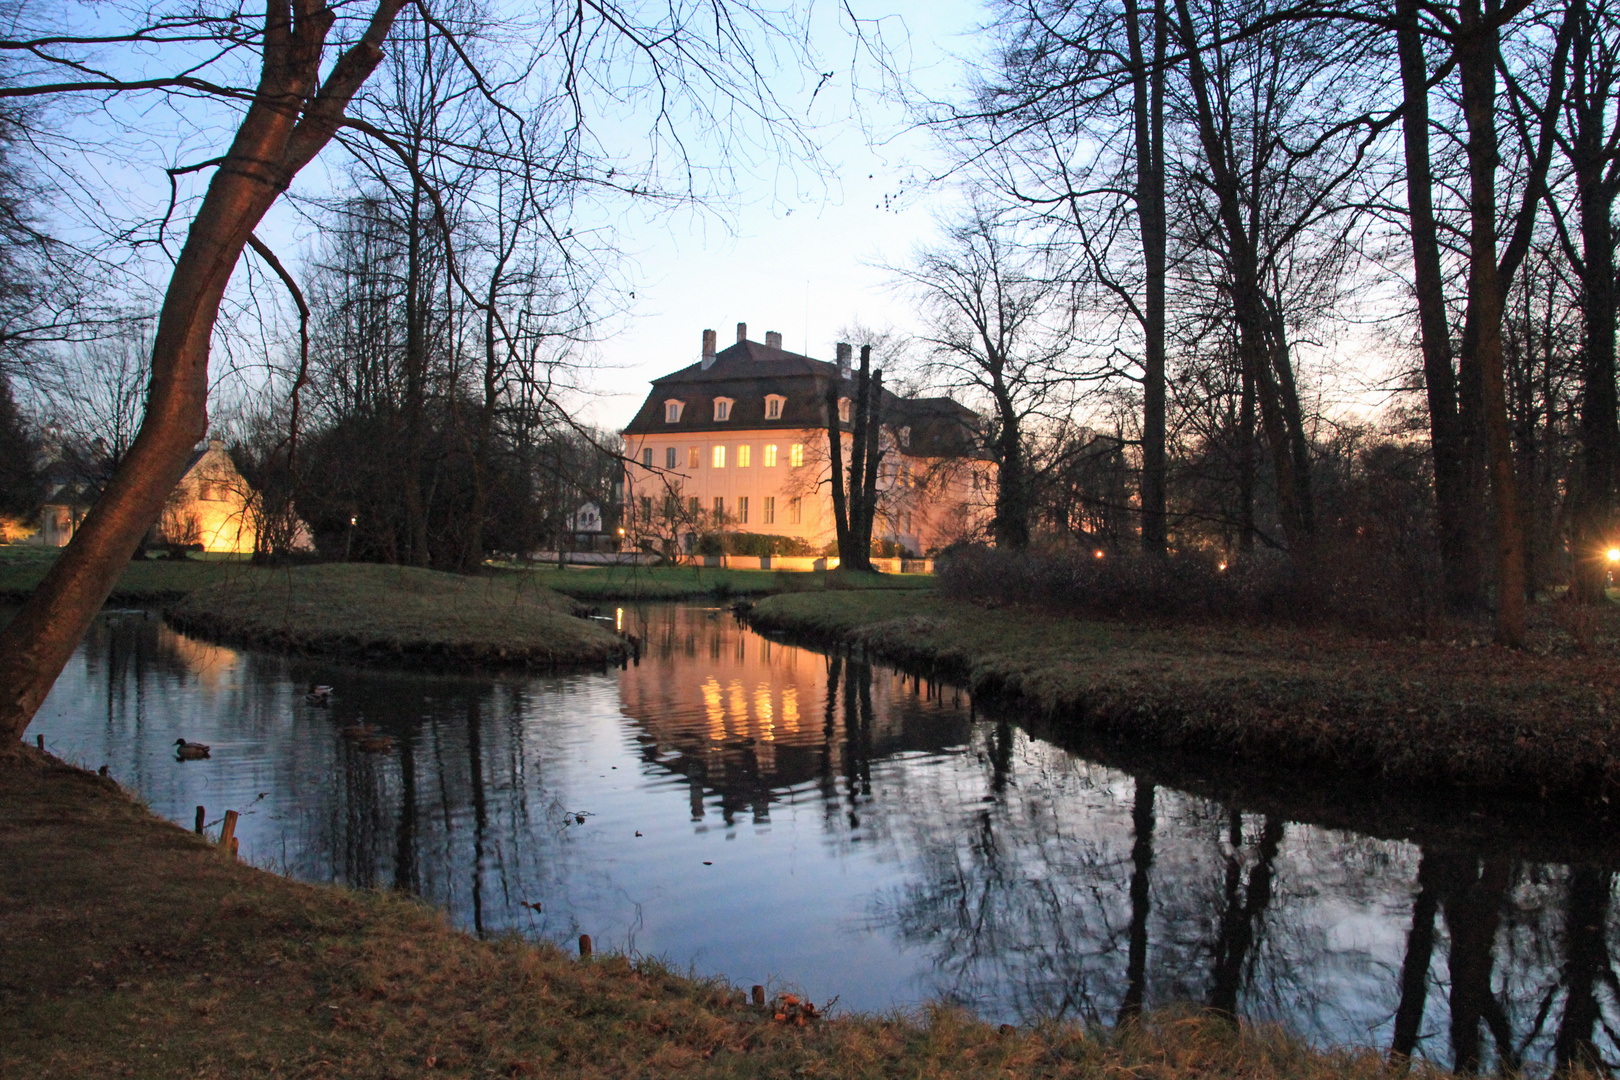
<point>774,814</point>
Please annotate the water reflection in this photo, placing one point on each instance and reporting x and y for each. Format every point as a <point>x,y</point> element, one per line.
<point>758,810</point>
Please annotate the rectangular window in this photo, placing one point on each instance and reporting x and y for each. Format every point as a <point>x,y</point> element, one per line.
<point>719,457</point>
<point>742,509</point>
<point>210,492</point>
<point>773,407</point>
<point>694,456</point>
<point>795,511</point>
<point>719,507</point>
<point>796,455</point>
<point>672,411</point>
<point>722,408</point>
<point>669,457</point>
<point>693,506</point>
<point>745,456</point>
<point>770,457</point>
<point>646,457</point>
<point>646,509</point>
<point>768,516</point>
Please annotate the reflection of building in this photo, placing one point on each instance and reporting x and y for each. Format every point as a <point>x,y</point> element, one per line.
<point>209,506</point>
<point>738,442</point>
<point>765,718</point>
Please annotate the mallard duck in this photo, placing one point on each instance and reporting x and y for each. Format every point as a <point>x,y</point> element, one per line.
<point>377,744</point>
<point>359,731</point>
<point>189,751</point>
<point>319,695</point>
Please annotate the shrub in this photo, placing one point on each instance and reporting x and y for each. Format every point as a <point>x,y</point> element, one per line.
<point>751,544</point>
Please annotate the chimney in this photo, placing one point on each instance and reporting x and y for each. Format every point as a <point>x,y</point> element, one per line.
<point>742,332</point>
<point>708,349</point>
<point>844,371</point>
<point>773,339</point>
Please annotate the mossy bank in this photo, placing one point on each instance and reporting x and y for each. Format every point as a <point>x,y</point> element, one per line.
<point>393,613</point>
<point>134,949</point>
<point>1529,724</point>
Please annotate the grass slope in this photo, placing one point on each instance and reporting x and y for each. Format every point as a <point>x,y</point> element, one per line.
<point>145,581</point>
<point>365,610</point>
<point>649,583</point>
<point>1537,724</point>
<point>132,949</point>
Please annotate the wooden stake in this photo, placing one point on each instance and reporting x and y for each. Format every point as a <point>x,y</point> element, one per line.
<point>584,945</point>
<point>227,835</point>
<point>759,994</point>
<point>200,817</point>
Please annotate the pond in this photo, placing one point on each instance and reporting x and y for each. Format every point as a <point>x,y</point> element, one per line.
<point>772,814</point>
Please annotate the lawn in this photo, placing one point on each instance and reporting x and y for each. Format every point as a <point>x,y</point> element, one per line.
<point>134,949</point>
<point>647,583</point>
<point>1537,723</point>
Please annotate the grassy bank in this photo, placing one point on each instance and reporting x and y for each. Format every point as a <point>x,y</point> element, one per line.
<point>134,950</point>
<point>146,581</point>
<point>1537,724</point>
<point>652,583</point>
<point>367,611</point>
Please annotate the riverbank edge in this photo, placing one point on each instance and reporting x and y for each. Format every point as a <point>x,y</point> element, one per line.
<point>135,948</point>
<point>1314,721</point>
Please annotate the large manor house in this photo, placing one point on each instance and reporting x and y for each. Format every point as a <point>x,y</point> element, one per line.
<point>738,443</point>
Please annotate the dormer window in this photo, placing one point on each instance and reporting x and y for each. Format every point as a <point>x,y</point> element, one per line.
<point>905,438</point>
<point>843,409</point>
<point>672,411</point>
<point>722,408</point>
<point>773,406</point>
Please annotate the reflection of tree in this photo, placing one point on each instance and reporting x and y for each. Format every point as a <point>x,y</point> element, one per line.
<point>1586,964</point>
<point>1414,985</point>
<point>1141,902</point>
<point>1240,920</point>
<point>1474,891</point>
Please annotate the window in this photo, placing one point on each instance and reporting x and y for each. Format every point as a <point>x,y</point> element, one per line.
<point>210,491</point>
<point>770,457</point>
<point>773,406</point>
<point>742,509</point>
<point>745,456</point>
<point>795,511</point>
<point>768,515</point>
<point>843,409</point>
<point>719,457</point>
<point>672,411</point>
<point>669,457</point>
<point>796,455</point>
<point>905,437</point>
<point>719,507</point>
<point>722,408</point>
<point>693,506</point>
<point>646,509</point>
<point>694,456</point>
<point>646,457</point>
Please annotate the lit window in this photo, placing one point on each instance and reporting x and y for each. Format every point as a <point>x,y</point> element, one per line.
<point>672,411</point>
<point>722,408</point>
<point>745,456</point>
<point>773,406</point>
<point>646,457</point>
<point>742,509</point>
<point>795,510</point>
<point>694,456</point>
<point>796,455</point>
<point>719,457</point>
<point>719,507</point>
<point>843,409</point>
<point>768,516</point>
<point>669,457</point>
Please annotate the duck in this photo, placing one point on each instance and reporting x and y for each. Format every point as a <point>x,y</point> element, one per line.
<point>319,695</point>
<point>377,744</point>
<point>359,730</point>
<point>190,751</point>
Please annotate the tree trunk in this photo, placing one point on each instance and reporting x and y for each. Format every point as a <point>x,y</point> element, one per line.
<point>1147,118</point>
<point>859,555</point>
<point>281,132</point>
<point>835,460</point>
<point>874,456</point>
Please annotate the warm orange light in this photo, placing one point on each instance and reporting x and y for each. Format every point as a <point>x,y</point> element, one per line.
<point>1614,554</point>
<point>1098,553</point>
<point>1222,566</point>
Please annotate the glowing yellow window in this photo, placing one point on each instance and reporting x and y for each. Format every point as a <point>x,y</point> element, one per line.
<point>770,457</point>
<point>796,455</point>
<point>745,456</point>
<point>719,457</point>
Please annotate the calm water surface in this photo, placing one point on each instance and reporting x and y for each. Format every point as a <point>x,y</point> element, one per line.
<point>773,814</point>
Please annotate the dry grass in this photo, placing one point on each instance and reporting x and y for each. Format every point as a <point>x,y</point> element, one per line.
<point>1537,723</point>
<point>394,612</point>
<point>133,950</point>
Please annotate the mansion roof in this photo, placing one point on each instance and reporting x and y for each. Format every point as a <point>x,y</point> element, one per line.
<point>747,373</point>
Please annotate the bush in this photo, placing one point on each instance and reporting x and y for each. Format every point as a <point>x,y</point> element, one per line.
<point>751,544</point>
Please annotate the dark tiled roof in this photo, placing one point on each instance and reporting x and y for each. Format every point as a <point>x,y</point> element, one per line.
<point>747,372</point>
